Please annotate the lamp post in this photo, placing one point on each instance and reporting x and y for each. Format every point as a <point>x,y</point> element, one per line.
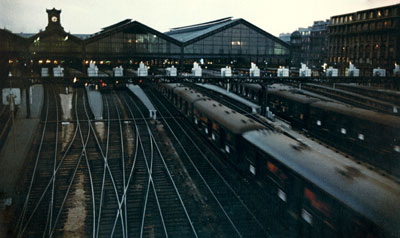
<point>11,101</point>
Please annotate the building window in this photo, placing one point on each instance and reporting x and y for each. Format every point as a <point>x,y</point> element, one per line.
<point>343,131</point>
<point>361,137</point>
<point>372,26</point>
<point>386,12</point>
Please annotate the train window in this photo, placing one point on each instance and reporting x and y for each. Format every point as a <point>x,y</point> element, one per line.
<point>214,126</point>
<point>358,229</point>
<point>227,149</point>
<point>343,131</point>
<point>306,216</point>
<point>186,107</point>
<point>277,174</point>
<point>361,137</point>
<point>396,148</point>
<point>315,201</point>
<point>272,168</point>
<point>252,169</point>
<point>228,137</point>
<point>319,123</point>
<point>282,195</point>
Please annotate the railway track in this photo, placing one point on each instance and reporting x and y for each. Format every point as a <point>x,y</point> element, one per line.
<point>52,175</point>
<point>164,203</point>
<point>5,123</point>
<point>122,177</point>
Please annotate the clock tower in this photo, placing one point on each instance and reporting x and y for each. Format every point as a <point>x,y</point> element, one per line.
<point>54,19</point>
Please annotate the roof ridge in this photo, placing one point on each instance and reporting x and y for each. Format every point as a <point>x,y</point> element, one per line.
<point>202,24</point>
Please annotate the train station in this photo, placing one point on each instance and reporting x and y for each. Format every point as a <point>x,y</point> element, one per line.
<point>212,129</point>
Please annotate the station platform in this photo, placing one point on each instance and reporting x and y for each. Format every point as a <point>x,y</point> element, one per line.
<point>95,103</point>
<point>143,97</point>
<point>16,147</point>
<point>254,107</point>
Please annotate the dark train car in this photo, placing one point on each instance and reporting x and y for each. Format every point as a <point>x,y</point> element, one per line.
<point>219,123</point>
<point>374,135</point>
<point>167,89</point>
<point>183,98</point>
<point>371,136</point>
<point>318,194</point>
<point>223,125</point>
<point>291,106</point>
<point>248,90</point>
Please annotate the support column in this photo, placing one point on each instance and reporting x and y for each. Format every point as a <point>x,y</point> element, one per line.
<point>263,98</point>
<point>28,101</point>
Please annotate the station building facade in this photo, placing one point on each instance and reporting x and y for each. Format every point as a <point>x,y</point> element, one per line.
<point>221,42</point>
<point>369,39</point>
<point>227,41</point>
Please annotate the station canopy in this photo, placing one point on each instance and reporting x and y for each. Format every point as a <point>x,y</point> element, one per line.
<point>128,38</point>
<point>228,36</point>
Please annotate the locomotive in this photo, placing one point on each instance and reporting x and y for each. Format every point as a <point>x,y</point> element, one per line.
<point>370,136</point>
<point>318,194</point>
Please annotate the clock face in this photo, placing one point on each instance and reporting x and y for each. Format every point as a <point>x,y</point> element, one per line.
<point>54,19</point>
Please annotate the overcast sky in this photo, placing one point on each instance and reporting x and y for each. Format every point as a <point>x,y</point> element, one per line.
<point>89,16</point>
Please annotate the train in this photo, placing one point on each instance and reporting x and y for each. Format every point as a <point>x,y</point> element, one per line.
<point>370,136</point>
<point>318,194</point>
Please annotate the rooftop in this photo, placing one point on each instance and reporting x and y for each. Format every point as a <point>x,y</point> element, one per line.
<point>187,33</point>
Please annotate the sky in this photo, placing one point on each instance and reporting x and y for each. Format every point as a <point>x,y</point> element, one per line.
<point>89,16</point>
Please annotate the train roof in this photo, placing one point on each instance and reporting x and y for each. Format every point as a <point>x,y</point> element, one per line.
<point>189,94</point>
<point>300,91</point>
<point>363,114</point>
<point>171,85</point>
<point>255,86</point>
<point>291,95</point>
<point>230,95</point>
<point>368,193</point>
<point>235,122</point>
